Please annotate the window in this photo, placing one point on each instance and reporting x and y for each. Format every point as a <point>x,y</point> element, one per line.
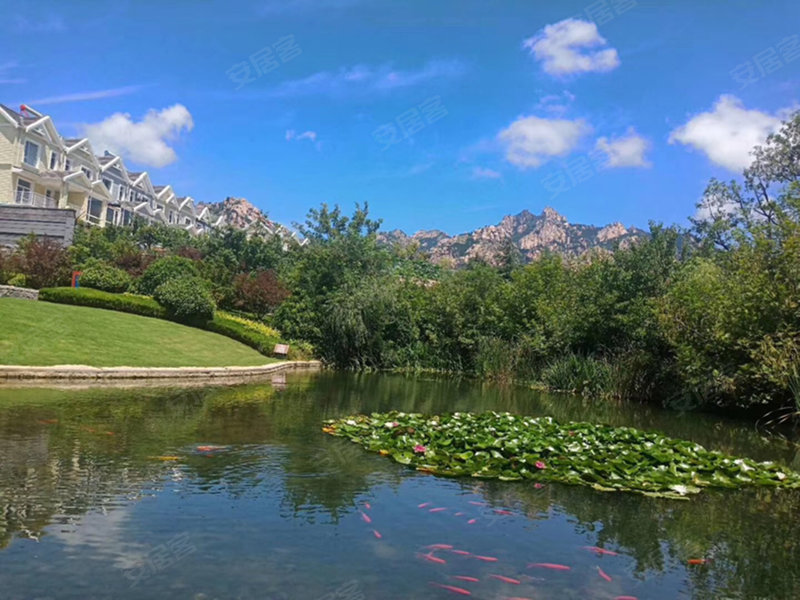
<point>121,192</point>
<point>24,195</point>
<point>67,165</point>
<point>126,217</point>
<point>110,216</point>
<point>95,210</point>
<point>31,153</point>
<point>53,160</point>
<point>187,221</point>
<point>107,183</point>
<point>86,172</point>
<point>171,214</point>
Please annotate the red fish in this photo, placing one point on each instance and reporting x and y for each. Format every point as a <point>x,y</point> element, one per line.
<point>461,552</point>
<point>423,505</point>
<point>439,547</point>
<point>484,558</point>
<point>440,509</point>
<point>697,561</point>
<point>553,566</point>
<point>505,579</point>
<point>48,421</point>
<point>367,505</point>
<point>459,514</point>
<point>109,433</point>
<point>209,448</point>
<point>502,512</point>
<point>598,550</point>
<point>603,574</point>
<point>365,517</point>
<point>626,598</point>
<point>466,578</point>
<point>472,521</point>
<point>477,503</point>
<point>452,588</point>
<point>377,533</point>
<point>434,559</point>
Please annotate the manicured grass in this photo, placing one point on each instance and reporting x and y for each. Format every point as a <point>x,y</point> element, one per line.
<point>41,333</point>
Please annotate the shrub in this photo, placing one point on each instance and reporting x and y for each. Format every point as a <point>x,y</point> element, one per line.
<point>241,331</point>
<point>18,280</point>
<point>186,299</point>
<point>102,276</point>
<point>137,305</point>
<point>259,292</point>
<point>45,262</point>
<point>163,270</point>
<point>585,375</point>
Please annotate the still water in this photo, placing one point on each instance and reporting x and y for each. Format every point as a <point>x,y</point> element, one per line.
<point>105,494</point>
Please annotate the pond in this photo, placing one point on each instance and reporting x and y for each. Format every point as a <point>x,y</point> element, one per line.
<point>206,493</point>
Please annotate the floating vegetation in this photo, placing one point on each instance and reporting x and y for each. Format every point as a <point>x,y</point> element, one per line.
<point>514,447</point>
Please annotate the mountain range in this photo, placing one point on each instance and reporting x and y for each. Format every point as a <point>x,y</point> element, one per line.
<point>531,235</point>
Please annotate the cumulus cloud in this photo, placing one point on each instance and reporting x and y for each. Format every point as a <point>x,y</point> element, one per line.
<point>146,142</point>
<point>364,78</point>
<point>532,141</point>
<point>625,151</point>
<point>485,173</point>
<point>572,46</point>
<point>728,132</point>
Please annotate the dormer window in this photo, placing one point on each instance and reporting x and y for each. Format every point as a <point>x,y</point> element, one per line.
<point>68,165</point>
<point>31,153</point>
<point>87,172</point>
<point>53,160</point>
<point>107,183</point>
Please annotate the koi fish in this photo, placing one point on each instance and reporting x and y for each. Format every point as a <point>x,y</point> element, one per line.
<point>461,552</point>
<point>423,505</point>
<point>439,547</point>
<point>459,514</point>
<point>498,511</point>
<point>367,505</point>
<point>452,588</point>
<point>466,578</point>
<point>109,433</point>
<point>365,517</point>
<point>209,448</point>
<point>477,503</point>
<point>472,521</point>
<point>626,598</point>
<point>440,509</point>
<point>89,429</point>
<point>598,550</point>
<point>434,559</point>
<point>48,421</point>
<point>165,458</point>
<point>377,534</point>
<point>603,574</point>
<point>697,561</point>
<point>484,558</point>
<point>553,566</point>
<point>505,579</point>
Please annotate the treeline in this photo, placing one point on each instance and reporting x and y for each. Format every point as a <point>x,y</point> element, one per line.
<point>697,317</point>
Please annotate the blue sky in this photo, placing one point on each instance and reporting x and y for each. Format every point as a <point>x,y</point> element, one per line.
<point>445,115</point>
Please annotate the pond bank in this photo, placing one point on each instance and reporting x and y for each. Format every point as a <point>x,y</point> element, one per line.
<point>13,374</point>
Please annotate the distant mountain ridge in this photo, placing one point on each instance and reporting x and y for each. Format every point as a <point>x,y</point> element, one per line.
<point>530,234</point>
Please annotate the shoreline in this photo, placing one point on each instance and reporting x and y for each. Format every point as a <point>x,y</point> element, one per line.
<point>16,374</point>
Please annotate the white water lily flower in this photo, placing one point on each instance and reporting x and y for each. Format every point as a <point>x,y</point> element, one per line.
<point>681,489</point>
<point>350,422</point>
<point>743,465</point>
<point>780,476</point>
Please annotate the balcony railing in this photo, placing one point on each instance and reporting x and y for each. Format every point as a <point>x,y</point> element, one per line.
<point>33,199</point>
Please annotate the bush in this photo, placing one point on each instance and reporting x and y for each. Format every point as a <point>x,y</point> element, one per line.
<point>164,270</point>
<point>259,292</point>
<point>137,305</point>
<point>186,300</point>
<point>18,280</point>
<point>45,263</point>
<point>102,276</point>
<point>237,329</point>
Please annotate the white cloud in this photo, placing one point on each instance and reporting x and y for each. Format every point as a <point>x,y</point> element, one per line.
<point>291,134</point>
<point>485,173</point>
<point>532,141</point>
<point>83,96</point>
<point>626,151</point>
<point>556,104</point>
<point>728,132</point>
<point>145,142</point>
<point>364,78</point>
<point>572,46</point>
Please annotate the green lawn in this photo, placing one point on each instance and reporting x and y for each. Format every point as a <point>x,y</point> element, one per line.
<point>41,333</point>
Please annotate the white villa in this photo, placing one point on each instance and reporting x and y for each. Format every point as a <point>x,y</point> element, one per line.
<point>38,167</point>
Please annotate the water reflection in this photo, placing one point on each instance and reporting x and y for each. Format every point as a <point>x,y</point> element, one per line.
<point>100,489</point>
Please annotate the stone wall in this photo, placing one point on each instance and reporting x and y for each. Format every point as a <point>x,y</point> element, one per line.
<point>10,291</point>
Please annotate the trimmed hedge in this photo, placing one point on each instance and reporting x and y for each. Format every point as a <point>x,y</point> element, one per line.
<point>129,303</point>
<point>228,327</point>
<point>105,277</point>
<point>186,300</point>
